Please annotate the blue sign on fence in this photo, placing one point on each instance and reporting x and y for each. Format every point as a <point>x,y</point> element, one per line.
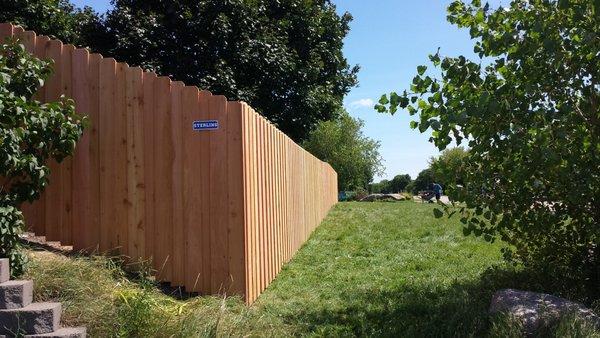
<point>206,125</point>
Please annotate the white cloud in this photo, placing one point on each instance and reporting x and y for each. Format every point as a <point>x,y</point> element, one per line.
<point>362,103</point>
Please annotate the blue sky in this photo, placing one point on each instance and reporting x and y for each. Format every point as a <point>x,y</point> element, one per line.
<point>389,39</point>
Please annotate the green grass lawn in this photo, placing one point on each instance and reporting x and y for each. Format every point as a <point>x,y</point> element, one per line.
<point>371,269</point>
<point>385,269</point>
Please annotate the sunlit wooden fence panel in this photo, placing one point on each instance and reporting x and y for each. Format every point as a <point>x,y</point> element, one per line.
<point>217,210</point>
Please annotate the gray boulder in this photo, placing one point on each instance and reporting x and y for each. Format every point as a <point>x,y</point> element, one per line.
<point>535,310</point>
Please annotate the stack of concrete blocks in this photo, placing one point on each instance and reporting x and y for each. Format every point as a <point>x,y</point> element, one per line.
<point>20,317</point>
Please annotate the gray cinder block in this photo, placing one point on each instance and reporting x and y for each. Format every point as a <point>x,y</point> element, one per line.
<point>4,270</point>
<point>16,294</point>
<point>76,332</point>
<point>35,318</point>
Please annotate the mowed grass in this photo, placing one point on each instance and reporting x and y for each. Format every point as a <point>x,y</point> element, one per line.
<point>386,269</point>
<point>371,269</point>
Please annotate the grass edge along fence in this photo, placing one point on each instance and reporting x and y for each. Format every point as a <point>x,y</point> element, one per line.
<point>217,210</point>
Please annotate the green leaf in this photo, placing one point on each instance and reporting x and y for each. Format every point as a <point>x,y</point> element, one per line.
<point>421,69</point>
<point>394,99</point>
<point>380,108</point>
<point>480,16</point>
<point>384,100</point>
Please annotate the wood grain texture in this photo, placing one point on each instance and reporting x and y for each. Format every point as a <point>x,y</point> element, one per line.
<point>178,236</point>
<point>136,194</point>
<point>203,175</point>
<point>120,203</point>
<point>163,162</point>
<point>81,178</point>
<point>236,193</point>
<point>217,211</point>
<point>53,193</point>
<point>192,190</point>
<point>218,195</point>
<point>66,171</point>
<point>91,236</point>
<point>149,82</point>
<point>107,145</point>
<point>38,211</point>
<point>6,31</point>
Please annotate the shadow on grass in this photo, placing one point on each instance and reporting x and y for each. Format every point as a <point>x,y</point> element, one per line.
<point>456,310</point>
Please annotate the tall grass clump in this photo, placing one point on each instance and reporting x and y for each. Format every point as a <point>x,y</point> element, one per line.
<point>98,294</point>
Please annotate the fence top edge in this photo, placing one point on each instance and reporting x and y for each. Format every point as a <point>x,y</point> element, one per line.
<point>19,30</point>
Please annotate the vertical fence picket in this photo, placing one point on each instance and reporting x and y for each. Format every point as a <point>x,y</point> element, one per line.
<point>91,235</point>
<point>81,158</point>
<point>281,209</point>
<point>272,206</point>
<point>192,190</point>
<point>6,32</point>
<point>120,198</point>
<point>27,38</point>
<point>255,203</point>
<point>107,112</point>
<point>218,194</point>
<point>268,201</point>
<point>163,234</point>
<point>17,32</point>
<point>149,82</point>
<point>178,250</point>
<point>236,212</point>
<point>249,195</point>
<point>204,178</point>
<point>66,179</point>
<point>53,196</point>
<point>263,203</point>
<point>136,195</point>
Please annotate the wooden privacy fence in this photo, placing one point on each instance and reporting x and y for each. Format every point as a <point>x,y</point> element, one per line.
<point>215,211</point>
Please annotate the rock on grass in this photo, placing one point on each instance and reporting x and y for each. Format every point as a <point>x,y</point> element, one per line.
<point>537,310</point>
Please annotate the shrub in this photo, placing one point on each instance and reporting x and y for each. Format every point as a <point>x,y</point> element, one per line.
<point>30,134</point>
<point>529,111</point>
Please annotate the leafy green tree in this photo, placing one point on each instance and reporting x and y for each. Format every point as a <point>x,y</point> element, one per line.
<point>449,168</point>
<point>380,187</point>
<point>342,144</point>
<point>282,57</point>
<point>530,113</point>
<point>411,187</point>
<point>423,181</point>
<point>55,18</point>
<point>399,183</point>
<point>30,134</point>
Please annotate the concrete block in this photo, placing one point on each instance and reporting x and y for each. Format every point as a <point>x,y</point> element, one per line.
<point>35,318</point>
<point>4,270</point>
<point>16,294</point>
<point>75,332</point>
